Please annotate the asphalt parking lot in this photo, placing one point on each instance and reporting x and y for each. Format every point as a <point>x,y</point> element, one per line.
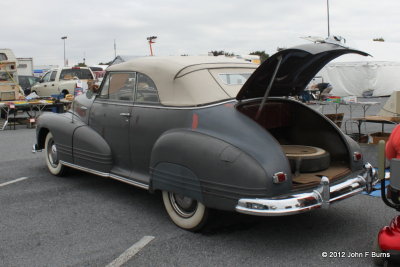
<point>85,220</point>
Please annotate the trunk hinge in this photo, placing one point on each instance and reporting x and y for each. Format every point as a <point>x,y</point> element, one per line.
<point>261,107</point>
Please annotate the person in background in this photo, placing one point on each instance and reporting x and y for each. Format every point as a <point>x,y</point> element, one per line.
<point>324,90</point>
<point>392,149</point>
<point>305,96</point>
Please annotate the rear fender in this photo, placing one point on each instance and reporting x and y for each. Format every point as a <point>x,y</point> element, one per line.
<point>205,168</point>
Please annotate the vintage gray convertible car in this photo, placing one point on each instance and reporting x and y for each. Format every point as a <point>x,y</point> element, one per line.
<point>211,133</point>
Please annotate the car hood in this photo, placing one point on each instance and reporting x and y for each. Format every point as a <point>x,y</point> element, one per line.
<point>298,66</point>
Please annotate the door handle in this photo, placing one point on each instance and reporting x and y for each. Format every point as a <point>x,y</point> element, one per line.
<point>125,114</point>
<point>45,86</point>
<point>83,107</point>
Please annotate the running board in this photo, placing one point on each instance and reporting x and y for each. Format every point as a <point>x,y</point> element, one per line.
<point>106,175</point>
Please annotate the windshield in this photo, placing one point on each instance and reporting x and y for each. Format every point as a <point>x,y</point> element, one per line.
<point>69,74</point>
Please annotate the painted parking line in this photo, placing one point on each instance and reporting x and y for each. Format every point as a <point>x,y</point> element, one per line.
<point>130,252</point>
<point>14,181</point>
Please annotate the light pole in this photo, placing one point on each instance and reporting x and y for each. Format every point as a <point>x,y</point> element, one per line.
<point>115,50</point>
<point>63,38</point>
<point>151,41</point>
<point>327,10</point>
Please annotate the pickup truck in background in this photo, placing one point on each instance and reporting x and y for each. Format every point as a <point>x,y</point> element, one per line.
<point>66,80</point>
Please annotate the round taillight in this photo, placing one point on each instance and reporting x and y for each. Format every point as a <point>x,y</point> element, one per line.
<point>357,156</point>
<point>279,177</point>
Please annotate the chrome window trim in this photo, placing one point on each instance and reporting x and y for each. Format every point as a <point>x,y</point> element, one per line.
<point>107,97</point>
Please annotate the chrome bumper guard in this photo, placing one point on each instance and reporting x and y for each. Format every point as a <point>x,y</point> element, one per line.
<point>320,197</point>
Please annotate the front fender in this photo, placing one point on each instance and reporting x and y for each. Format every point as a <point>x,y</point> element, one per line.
<point>76,142</point>
<point>90,150</point>
<point>62,126</point>
<point>205,168</point>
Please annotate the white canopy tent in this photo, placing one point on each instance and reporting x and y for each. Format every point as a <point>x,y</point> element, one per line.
<point>355,74</point>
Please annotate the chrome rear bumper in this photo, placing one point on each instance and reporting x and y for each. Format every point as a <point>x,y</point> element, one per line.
<point>320,197</point>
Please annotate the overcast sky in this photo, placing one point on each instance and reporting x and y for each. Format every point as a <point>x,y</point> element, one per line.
<point>34,28</point>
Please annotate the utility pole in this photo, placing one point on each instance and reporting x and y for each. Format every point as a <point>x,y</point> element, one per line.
<point>151,41</point>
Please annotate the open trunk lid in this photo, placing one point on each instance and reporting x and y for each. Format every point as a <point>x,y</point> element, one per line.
<point>296,67</point>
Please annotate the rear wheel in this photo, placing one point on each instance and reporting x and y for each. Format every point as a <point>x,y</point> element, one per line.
<point>51,154</point>
<point>185,212</point>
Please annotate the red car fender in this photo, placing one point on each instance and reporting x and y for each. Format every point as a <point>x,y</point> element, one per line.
<point>389,236</point>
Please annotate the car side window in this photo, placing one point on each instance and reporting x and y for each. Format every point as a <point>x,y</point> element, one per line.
<point>53,76</point>
<point>119,86</point>
<point>46,77</point>
<point>146,90</point>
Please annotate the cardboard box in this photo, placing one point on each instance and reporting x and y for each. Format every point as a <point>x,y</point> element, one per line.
<point>376,137</point>
<point>8,95</point>
<point>337,118</point>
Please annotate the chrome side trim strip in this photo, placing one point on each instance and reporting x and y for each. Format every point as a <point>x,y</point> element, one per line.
<point>124,180</point>
<point>169,107</point>
<point>106,175</point>
<point>102,174</point>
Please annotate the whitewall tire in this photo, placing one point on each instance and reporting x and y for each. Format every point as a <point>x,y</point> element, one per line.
<point>51,155</point>
<point>185,212</point>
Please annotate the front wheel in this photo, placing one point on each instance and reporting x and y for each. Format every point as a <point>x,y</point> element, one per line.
<point>51,154</point>
<point>185,212</point>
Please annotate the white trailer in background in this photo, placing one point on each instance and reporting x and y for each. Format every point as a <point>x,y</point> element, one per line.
<point>355,75</point>
<point>25,66</point>
<point>9,88</point>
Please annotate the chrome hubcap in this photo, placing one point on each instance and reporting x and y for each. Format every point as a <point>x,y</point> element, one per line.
<point>52,153</point>
<point>184,206</point>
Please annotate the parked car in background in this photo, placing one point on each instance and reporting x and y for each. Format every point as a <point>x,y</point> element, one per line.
<point>26,82</point>
<point>66,80</point>
<point>211,133</point>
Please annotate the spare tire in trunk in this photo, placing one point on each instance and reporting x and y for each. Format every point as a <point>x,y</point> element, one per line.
<point>305,159</point>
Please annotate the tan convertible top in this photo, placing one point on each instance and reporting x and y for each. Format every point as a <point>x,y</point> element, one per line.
<point>189,80</point>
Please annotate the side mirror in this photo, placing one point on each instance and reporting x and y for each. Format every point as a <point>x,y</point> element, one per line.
<point>41,80</point>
